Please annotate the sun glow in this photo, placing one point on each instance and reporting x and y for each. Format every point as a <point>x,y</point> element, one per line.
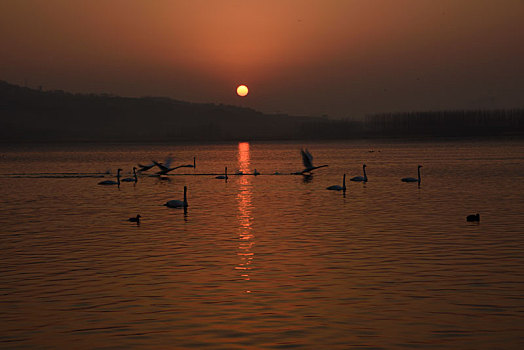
<point>242,90</point>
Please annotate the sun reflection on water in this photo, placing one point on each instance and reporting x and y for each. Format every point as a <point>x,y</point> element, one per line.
<point>244,216</point>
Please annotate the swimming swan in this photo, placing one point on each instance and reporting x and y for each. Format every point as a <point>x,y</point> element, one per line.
<point>131,179</point>
<point>223,177</point>
<point>361,178</point>
<point>175,203</point>
<point>412,179</point>
<point>112,182</point>
<point>338,187</point>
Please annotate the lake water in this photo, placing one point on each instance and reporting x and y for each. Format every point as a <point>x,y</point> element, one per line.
<point>272,261</point>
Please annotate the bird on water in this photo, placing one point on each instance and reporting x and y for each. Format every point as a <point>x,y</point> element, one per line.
<point>131,179</point>
<point>222,177</point>
<point>361,178</point>
<point>135,219</point>
<point>338,187</point>
<point>473,217</point>
<point>412,179</point>
<point>112,182</point>
<point>176,203</point>
<point>307,160</point>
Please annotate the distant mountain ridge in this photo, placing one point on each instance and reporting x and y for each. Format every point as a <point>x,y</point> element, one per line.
<point>33,115</point>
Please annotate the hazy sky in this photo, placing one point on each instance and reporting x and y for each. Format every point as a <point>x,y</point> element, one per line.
<point>336,57</point>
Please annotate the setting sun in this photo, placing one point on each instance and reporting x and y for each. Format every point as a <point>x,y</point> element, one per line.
<point>242,90</point>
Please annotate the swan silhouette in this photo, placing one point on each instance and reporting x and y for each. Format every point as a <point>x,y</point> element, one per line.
<point>338,187</point>
<point>145,167</point>
<point>131,179</point>
<point>412,179</point>
<point>361,178</point>
<point>112,182</point>
<point>307,160</point>
<point>256,172</point>
<point>472,218</point>
<point>175,203</point>
<point>223,177</point>
<point>166,169</point>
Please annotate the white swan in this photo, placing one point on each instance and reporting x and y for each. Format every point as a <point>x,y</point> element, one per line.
<point>307,160</point>
<point>175,203</point>
<point>131,179</point>
<point>361,178</point>
<point>223,177</point>
<point>338,187</point>
<point>412,179</point>
<point>112,182</point>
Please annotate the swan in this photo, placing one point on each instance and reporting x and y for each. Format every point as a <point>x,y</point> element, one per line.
<point>175,203</point>
<point>166,164</point>
<point>135,219</point>
<point>307,160</point>
<point>361,178</point>
<point>145,167</point>
<point>472,217</point>
<point>131,179</point>
<point>338,187</point>
<point>223,177</point>
<point>112,182</point>
<point>412,179</point>
<point>166,169</point>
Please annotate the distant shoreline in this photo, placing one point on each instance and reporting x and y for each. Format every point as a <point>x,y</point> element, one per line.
<point>497,139</point>
<point>29,115</point>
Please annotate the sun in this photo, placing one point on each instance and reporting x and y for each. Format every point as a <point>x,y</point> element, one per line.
<point>242,90</point>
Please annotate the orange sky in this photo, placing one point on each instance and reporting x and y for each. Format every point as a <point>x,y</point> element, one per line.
<point>336,57</point>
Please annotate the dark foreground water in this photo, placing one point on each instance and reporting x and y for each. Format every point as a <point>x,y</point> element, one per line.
<point>272,261</point>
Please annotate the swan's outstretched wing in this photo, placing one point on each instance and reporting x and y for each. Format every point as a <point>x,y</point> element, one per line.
<point>145,167</point>
<point>307,158</point>
<point>161,166</point>
<point>167,162</point>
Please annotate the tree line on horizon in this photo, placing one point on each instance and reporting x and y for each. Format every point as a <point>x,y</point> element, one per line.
<point>33,115</point>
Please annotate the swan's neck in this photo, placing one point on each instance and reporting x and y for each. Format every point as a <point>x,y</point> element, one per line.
<point>365,176</point>
<point>185,196</point>
<point>344,183</point>
<point>418,172</point>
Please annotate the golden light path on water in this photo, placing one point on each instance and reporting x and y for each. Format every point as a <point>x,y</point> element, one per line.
<point>245,219</point>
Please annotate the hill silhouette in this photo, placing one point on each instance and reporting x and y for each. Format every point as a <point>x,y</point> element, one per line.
<point>33,115</point>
